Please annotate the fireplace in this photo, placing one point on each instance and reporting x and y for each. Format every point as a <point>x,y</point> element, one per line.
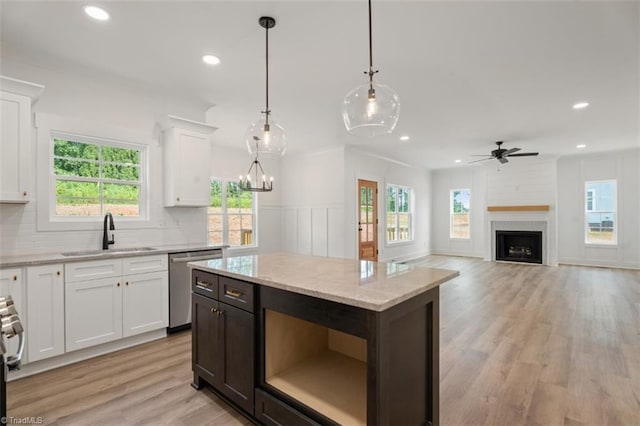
<point>519,246</point>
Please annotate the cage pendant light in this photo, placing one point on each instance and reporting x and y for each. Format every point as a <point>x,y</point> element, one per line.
<point>265,136</point>
<point>371,109</point>
<point>256,180</point>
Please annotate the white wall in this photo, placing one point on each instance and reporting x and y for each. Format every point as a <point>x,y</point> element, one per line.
<point>519,182</point>
<point>360,165</point>
<point>475,179</point>
<point>313,203</point>
<point>93,97</point>
<point>573,171</point>
<point>230,163</point>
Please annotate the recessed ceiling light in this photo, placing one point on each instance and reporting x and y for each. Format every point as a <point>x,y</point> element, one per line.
<point>458,161</point>
<point>211,60</point>
<point>580,105</point>
<point>404,138</point>
<point>580,146</point>
<point>96,13</point>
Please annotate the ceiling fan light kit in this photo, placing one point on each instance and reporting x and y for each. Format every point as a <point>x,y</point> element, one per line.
<point>371,109</point>
<point>501,154</point>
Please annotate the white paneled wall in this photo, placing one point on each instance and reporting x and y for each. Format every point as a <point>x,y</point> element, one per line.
<point>522,181</point>
<point>319,231</point>
<point>573,171</point>
<point>313,231</point>
<point>475,179</point>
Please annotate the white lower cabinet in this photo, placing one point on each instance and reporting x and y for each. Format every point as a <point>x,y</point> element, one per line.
<point>115,305</point>
<point>144,303</point>
<point>93,313</point>
<point>45,312</point>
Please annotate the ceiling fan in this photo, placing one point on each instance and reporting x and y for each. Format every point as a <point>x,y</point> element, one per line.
<point>501,154</point>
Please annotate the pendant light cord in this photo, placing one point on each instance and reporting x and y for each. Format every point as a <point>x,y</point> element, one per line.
<point>267,112</point>
<point>371,72</point>
<point>370,42</point>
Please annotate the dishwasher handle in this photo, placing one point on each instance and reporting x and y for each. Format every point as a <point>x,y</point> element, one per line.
<point>195,258</point>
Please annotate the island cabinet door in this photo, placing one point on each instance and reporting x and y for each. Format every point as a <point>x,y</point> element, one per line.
<point>237,374</point>
<point>207,356</point>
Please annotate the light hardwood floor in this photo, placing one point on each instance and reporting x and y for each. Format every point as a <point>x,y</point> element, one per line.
<point>520,344</point>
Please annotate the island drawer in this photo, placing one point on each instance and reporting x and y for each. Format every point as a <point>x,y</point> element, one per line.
<point>205,284</point>
<point>236,293</point>
<point>274,412</point>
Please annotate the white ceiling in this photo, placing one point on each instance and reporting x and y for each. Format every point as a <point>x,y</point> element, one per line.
<point>468,73</point>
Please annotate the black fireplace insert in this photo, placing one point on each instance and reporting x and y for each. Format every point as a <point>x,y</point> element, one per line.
<point>519,246</point>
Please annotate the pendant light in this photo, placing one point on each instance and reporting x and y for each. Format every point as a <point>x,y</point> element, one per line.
<point>256,180</point>
<point>265,136</point>
<point>371,109</point>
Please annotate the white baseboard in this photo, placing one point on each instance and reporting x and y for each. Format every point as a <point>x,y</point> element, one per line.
<point>406,257</point>
<point>599,264</point>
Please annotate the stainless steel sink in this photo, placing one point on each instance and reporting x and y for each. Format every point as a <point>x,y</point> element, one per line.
<point>104,252</point>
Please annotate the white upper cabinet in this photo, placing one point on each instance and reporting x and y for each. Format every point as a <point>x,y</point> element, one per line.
<point>187,163</point>
<point>16,97</point>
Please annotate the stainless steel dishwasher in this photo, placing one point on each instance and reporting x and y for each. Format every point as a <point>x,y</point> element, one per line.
<point>180,285</point>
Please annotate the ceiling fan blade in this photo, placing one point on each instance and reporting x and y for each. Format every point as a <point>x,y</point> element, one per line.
<point>524,154</point>
<point>477,161</point>
<point>503,160</point>
<point>478,155</point>
<point>511,151</point>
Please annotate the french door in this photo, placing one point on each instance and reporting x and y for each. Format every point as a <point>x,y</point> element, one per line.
<point>367,220</point>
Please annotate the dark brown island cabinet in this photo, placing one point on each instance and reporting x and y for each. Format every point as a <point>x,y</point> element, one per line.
<point>302,340</point>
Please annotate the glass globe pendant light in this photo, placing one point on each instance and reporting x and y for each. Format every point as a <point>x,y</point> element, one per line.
<point>265,136</point>
<point>371,109</point>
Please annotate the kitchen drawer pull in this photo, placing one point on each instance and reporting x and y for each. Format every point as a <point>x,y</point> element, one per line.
<point>233,293</point>
<point>203,284</point>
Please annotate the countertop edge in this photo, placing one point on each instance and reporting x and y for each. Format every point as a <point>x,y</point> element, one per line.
<point>327,296</point>
<point>53,258</point>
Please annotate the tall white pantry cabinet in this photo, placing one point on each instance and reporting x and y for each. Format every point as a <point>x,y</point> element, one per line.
<point>16,98</point>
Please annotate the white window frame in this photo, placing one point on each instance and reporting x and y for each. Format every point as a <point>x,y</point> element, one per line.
<point>142,199</point>
<point>225,213</point>
<point>451,213</point>
<point>50,125</point>
<point>613,212</point>
<point>410,236</point>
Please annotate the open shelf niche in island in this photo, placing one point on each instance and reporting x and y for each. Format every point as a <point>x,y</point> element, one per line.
<point>323,368</point>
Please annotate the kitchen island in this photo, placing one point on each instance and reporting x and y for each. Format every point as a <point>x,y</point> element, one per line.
<point>292,339</point>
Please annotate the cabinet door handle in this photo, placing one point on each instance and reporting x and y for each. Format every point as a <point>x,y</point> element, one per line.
<point>118,284</point>
<point>220,312</point>
<point>232,293</point>
<point>15,278</point>
<point>58,273</point>
<point>126,283</point>
<point>24,194</point>
<point>214,311</point>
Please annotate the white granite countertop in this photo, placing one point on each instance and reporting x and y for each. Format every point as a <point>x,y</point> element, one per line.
<point>375,286</point>
<point>19,261</point>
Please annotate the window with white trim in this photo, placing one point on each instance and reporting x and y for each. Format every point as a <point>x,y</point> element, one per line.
<point>399,207</point>
<point>93,176</point>
<point>231,216</point>
<point>600,205</point>
<point>460,213</point>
